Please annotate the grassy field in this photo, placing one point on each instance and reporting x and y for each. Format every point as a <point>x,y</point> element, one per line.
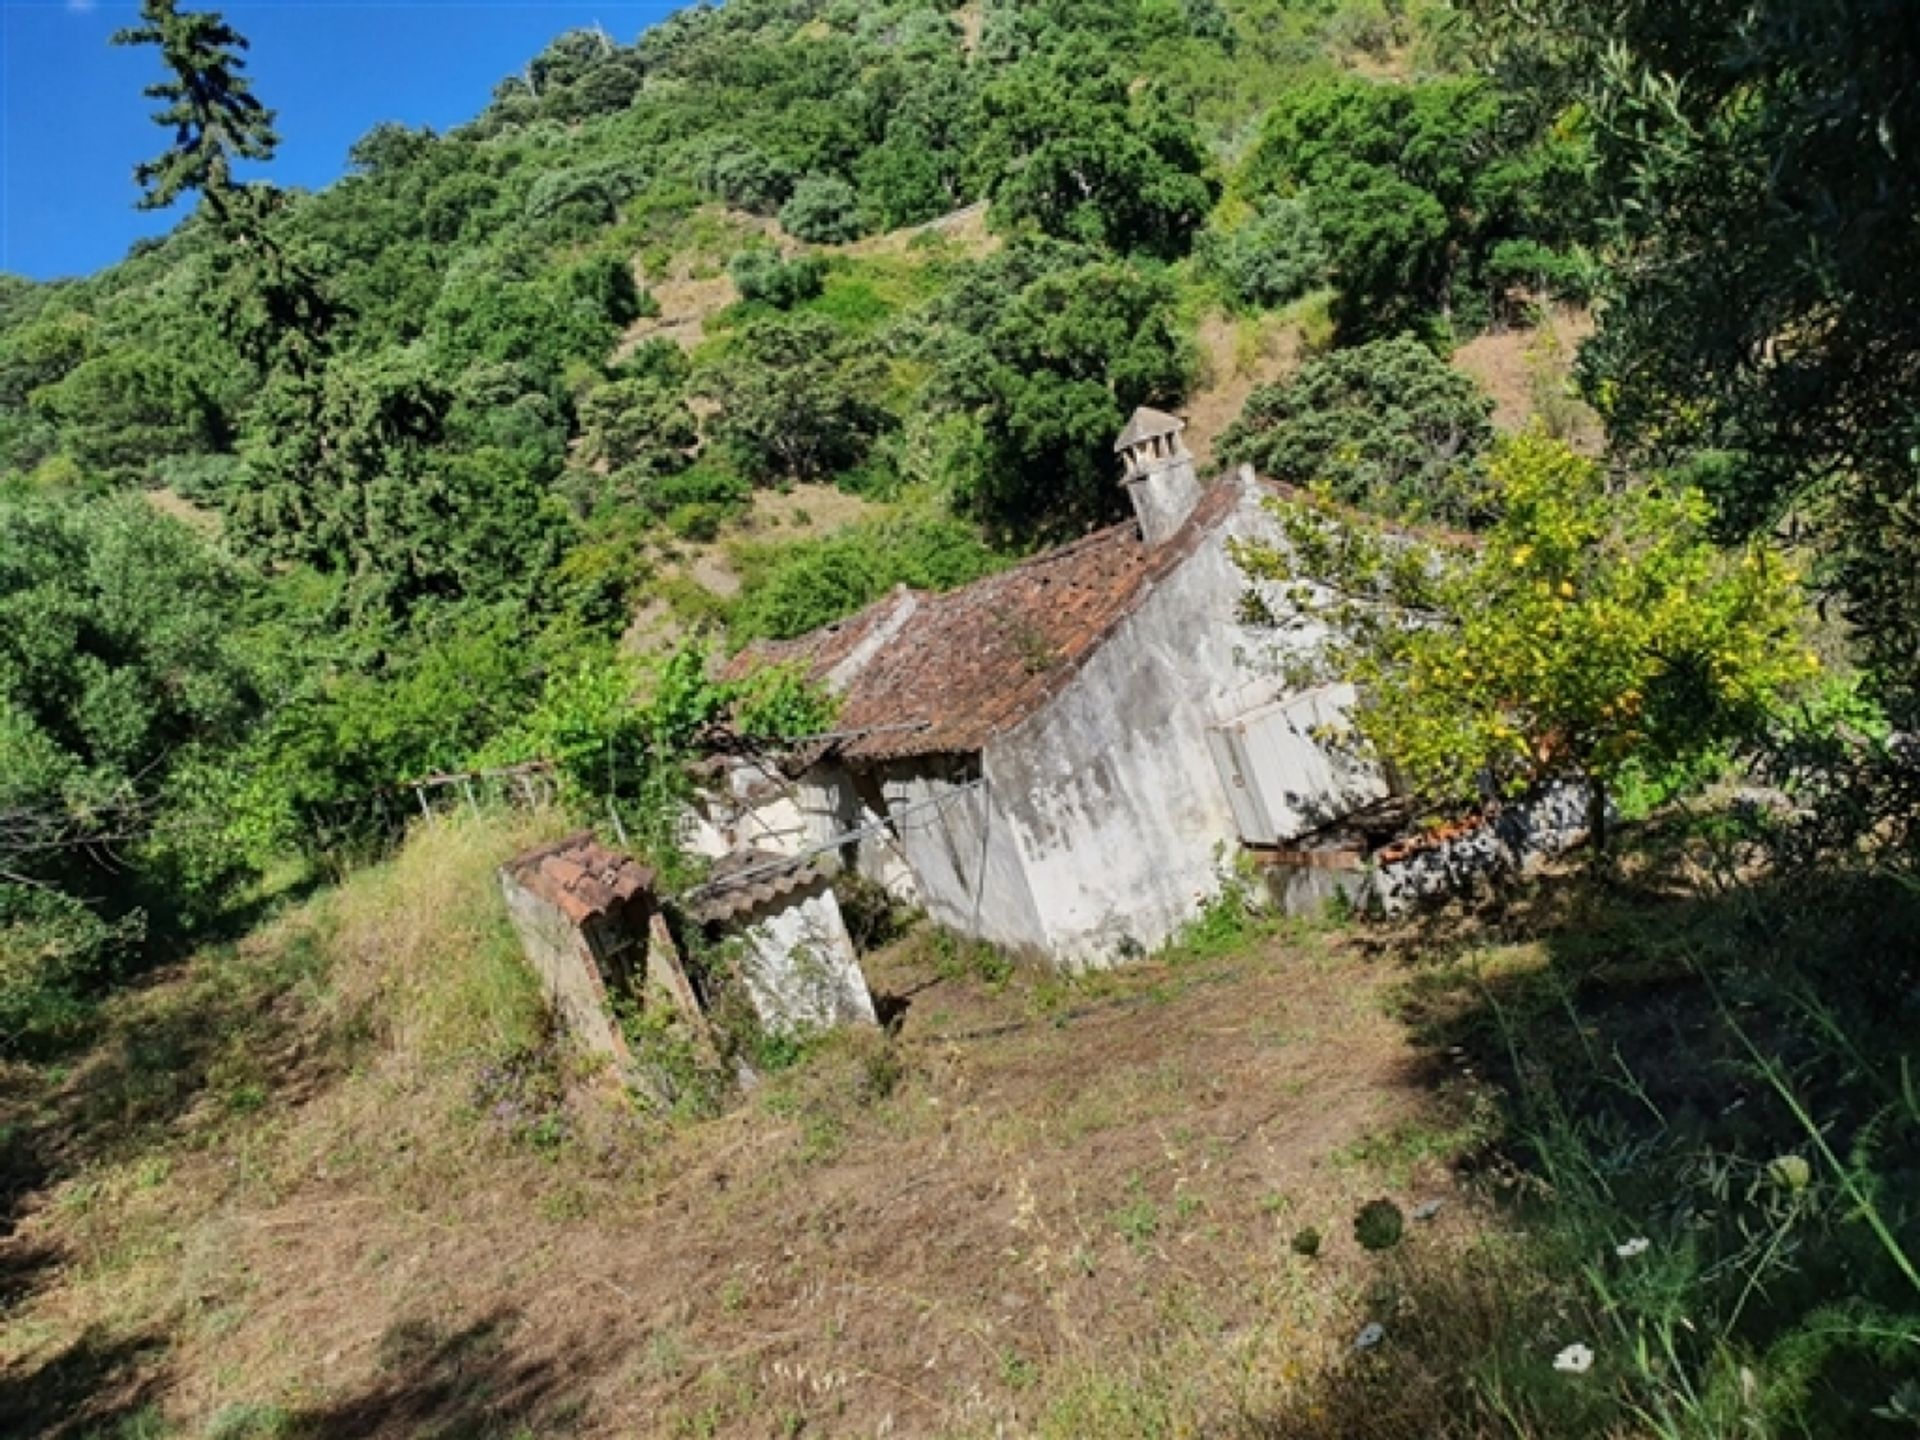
<point>335,1180</point>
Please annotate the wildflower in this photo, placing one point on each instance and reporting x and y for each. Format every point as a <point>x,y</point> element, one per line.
<point>1370,1336</point>
<point>1574,1360</point>
<point>1634,1248</point>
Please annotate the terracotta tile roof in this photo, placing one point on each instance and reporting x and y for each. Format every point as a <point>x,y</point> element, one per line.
<point>580,877</point>
<point>749,880</point>
<point>945,673</point>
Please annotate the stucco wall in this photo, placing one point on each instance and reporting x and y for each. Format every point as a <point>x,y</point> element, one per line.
<point>834,804</point>
<point>970,872</point>
<point>800,968</point>
<point>1112,796</point>
<point>559,955</point>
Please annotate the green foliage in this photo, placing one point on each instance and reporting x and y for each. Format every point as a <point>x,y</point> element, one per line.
<point>1048,350</point>
<point>119,414</point>
<point>761,276</point>
<point>797,399</point>
<point>1379,1225</point>
<point>210,105</point>
<point>1591,630</point>
<point>1273,259</point>
<point>125,685</point>
<point>823,209</point>
<point>1757,168</point>
<point>1414,189</point>
<point>806,585</point>
<point>1085,160</point>
<point>1734,1238</point>
<point>1387,426</point>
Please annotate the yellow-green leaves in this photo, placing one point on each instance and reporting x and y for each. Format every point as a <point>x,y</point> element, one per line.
<point>1597,623</point>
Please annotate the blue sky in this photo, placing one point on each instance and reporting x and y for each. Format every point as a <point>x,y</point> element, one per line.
<point>73,122</point>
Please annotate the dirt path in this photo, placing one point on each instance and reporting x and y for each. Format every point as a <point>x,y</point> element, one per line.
<point>973,1232</point>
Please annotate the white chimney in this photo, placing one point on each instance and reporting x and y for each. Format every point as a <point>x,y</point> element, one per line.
<point>1160,478</point>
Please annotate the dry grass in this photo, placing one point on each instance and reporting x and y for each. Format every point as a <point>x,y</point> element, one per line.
<point>1528,372</point>
<point>1045,1207</point>
<point>1237,356</point>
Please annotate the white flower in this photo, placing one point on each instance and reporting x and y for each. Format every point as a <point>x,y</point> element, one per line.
<point>1370,1336</point>
<point>1574,1360</point>
<point>1634,1248</point>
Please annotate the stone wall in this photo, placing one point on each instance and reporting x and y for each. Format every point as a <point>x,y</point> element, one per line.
<point>560,956</point>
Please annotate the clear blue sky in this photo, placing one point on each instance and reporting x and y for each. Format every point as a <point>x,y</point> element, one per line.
<point>73,122</point>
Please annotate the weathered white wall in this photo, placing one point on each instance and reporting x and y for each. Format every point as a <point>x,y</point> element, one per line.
<point>1115,803</point>
<point>832,804</point>
<point>970,872</point>
<point>750,808</point>
<point>800,969</point>
<point>559,955</point>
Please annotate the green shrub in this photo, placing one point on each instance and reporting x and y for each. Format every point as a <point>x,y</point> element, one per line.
<point>761,276</point>
<point>811,583</point>
<point>1273,259</point>
<point>823,209</point>
<point>1388,426</point>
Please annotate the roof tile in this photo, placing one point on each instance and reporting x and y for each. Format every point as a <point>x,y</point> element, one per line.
<point>948,672</point>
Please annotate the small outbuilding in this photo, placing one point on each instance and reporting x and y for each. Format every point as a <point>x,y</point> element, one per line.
<point>590,925</point>
<point>794,956</point>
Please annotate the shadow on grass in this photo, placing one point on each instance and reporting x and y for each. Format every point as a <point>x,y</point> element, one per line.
<point>100,1385</point>
<point>1728,1085</point>
<point>450,1384</point>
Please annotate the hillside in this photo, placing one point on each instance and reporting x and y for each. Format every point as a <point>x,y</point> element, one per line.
<point>1035,1192</point>
<point>354,541</point>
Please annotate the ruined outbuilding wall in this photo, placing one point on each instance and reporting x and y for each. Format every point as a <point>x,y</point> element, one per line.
<point>559,954</point>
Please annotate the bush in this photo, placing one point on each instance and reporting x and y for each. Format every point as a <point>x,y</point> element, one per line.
<point>823,210</point>
<point>1388,426</point>
<point>817,581</point>
<point>797,399</point>
<point>762,276</point>
<point>1273,259</point>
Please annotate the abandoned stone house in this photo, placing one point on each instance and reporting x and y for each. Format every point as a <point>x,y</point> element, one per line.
<point>1062,758</point>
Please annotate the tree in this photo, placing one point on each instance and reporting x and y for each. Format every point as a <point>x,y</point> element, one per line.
<point>823,209</point>
<point>797,399</point>
<point>273,297</point>
<point>125,683</point>
<point>1763,320</point>
<point>1413,186</point>
<point>121,413</point>
<point>1387,426</point>
<point>348,471</point>
<point>1079,158</point>
<point>210,106</point>
<point>1591,630</point>
<point>1043,352</point>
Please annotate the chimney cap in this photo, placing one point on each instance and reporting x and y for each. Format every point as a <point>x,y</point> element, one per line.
<point>1147,424</point>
